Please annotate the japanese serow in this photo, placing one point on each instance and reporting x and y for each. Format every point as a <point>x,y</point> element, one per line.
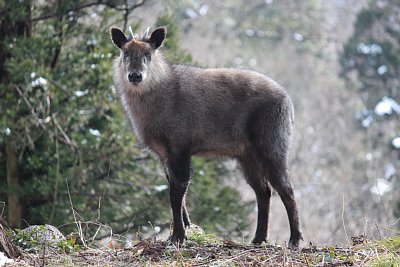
<point>178,111</point>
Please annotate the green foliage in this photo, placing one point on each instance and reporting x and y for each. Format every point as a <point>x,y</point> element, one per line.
<point>366,18</point>
<point>391,243</point>
<point>200,238</point>
<point>25,241</point>
<point>385,260</point>
<point>207,187</point>
<point>28,241</point>
<point>373,54</point>
<point>68,245</point>
<point>386,252</point>
<point>370,49</point>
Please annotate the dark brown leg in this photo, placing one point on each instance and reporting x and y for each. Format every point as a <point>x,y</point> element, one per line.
<point>254,175</point>
<point>178,166</point>
<point>279,179</point>
<point>185,214</point>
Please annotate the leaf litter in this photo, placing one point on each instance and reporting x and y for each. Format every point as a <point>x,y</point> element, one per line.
<point>224,253</point>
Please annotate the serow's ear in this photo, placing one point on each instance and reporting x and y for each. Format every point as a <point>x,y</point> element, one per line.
<point>118,37</point>
<point>157,37</point>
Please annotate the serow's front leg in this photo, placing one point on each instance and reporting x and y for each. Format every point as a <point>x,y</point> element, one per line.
<point>179,177</point>
<point>185,214</point>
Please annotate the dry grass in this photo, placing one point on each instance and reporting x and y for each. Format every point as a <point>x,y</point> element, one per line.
<point>226,253</point>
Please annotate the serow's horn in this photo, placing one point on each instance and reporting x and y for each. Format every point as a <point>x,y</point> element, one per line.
<point>131,35</point>
<point>145,34</point>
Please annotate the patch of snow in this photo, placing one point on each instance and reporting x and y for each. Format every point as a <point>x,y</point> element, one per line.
<point>367,122</point>
<point>201,172</point>
<point>33,75</point>
<point>382,69</point>
<point>364,116</point>
<point>94,132</point>
<point>386,107</point>
<point>250,32</point>
<point>381,187</point>
<point>161,188</point>
<point>191,13</point>
<point>39,82</point>
<point>91,42</point>
<point>390,171</point>
<point>4,259</point>
<point>369,49</point>
<point>203,10</point>
<point>79,93</point>
<point>361,114</point>
<point>269,2</point>
<point>298,37</point>
<point>396,142</point>
<point>7,131</point>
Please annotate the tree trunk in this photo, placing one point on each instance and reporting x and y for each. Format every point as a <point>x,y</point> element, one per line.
<point>14,203</point>
<point>12,27</point>
<point>6,246</point>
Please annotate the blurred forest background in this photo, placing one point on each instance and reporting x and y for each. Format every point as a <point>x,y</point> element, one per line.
<point>67,153</point>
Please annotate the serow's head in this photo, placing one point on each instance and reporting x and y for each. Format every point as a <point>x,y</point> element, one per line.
<point>137,51</point>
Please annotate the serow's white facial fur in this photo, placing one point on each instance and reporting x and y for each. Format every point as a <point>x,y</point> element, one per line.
<point>145,67</point>
<point>137,67</point>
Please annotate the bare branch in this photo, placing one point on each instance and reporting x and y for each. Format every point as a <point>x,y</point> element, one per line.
<point>126,15</point>
<point>65,139</point>
<point>55,14</point>
<point>109,4</point>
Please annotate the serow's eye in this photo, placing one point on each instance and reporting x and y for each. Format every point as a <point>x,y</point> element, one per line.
<point>147,57</point>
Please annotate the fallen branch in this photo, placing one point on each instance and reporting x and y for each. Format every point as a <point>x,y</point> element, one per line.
<point>6,246</point>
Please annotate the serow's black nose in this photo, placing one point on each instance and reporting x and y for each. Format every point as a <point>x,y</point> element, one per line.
<point>135,77</point>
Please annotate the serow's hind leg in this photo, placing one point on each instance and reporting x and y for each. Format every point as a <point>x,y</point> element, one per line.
<point>254,176</point>
<point>279,179</point>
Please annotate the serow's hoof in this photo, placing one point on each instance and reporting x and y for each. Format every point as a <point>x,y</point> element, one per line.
<point>177,240</point>
<point>294,242</point>
<point>258,240</point>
